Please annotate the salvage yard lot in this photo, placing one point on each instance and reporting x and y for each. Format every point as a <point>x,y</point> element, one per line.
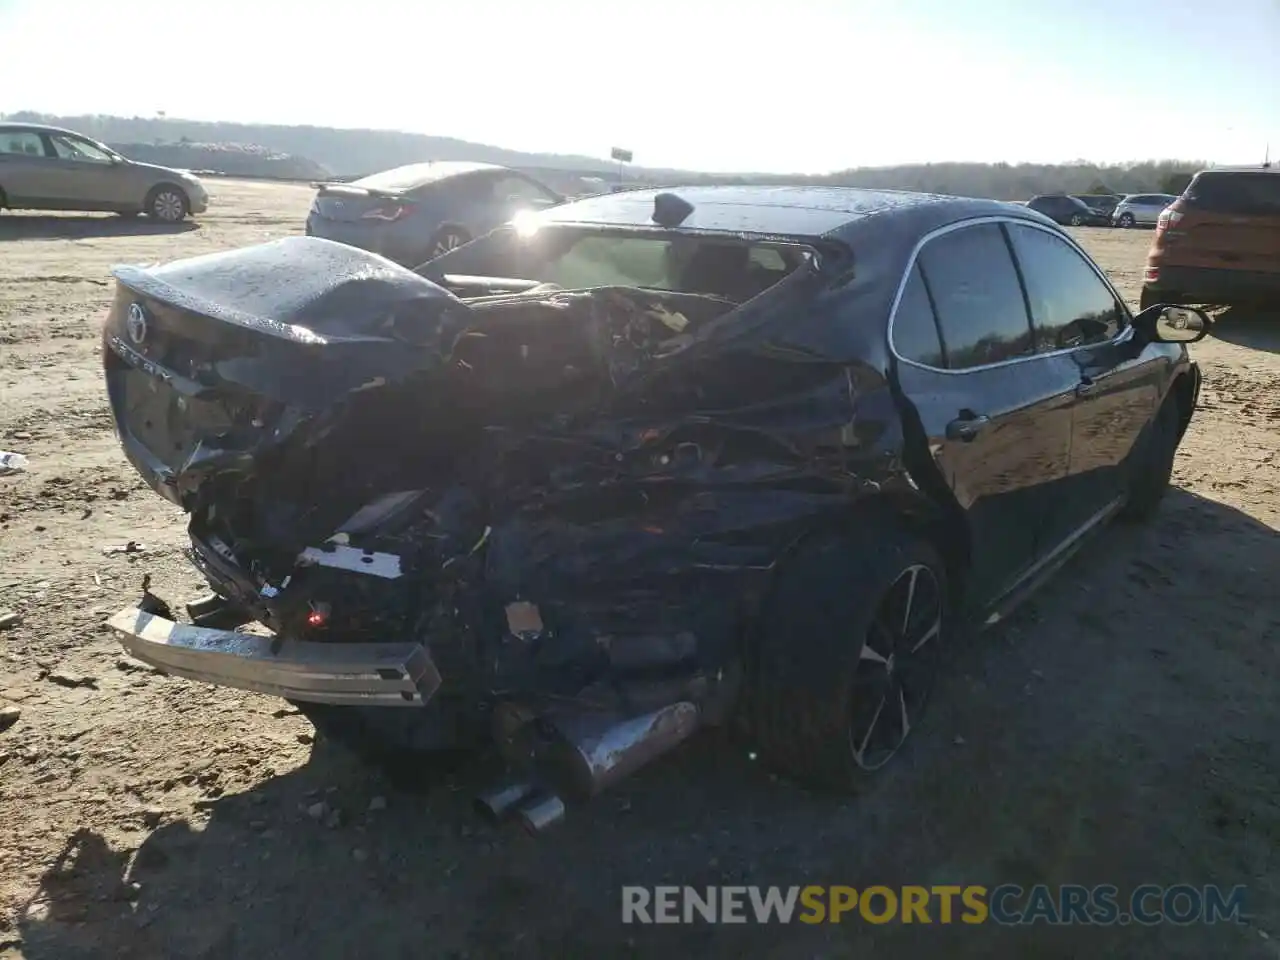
<point>1121,728</point>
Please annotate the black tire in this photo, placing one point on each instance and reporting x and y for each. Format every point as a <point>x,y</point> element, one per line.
<point>167,203</point>
<point>817,679</point>
<point>1150,464</point>
<point>1126,220</point>
<point>448,238</point>
<point>411,746</point>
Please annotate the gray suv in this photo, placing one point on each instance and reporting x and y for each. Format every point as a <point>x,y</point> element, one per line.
<point>47,168</point>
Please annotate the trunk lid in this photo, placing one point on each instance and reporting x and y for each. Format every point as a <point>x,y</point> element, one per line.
<point>347,203</point>
<point>212,361</point>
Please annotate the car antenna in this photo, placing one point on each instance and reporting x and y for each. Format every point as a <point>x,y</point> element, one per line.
<point>670,210</point>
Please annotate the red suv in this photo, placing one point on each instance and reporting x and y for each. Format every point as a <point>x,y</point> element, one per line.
<point>1218,243</point>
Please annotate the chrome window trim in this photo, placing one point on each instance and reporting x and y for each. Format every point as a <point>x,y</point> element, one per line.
<point>1126,329</point>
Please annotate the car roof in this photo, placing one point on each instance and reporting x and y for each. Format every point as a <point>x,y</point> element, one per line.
<point>10,127</point>
<point>783,211</point>
<point>1256,170</point>
<point>413,175</point>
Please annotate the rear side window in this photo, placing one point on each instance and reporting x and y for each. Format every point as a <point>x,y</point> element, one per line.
<point>21,143</point>
<point>977,296</point>
<point>1070,305</point>
<point>915,329</point>
<point>1239,193</point>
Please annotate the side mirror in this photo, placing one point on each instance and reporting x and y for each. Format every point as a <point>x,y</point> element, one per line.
<point>1165,323</point>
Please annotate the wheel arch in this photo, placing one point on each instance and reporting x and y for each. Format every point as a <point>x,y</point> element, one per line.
<point>157,187</point>
<point>939,520</point>
<point>1183,391</point>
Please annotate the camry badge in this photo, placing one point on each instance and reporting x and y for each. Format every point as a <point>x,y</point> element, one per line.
<point>136,324</point>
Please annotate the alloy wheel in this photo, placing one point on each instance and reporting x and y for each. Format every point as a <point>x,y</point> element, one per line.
<point>1076,219</point>
<point>897,666</point>
<point>168,206</point>
<point>446,242</point>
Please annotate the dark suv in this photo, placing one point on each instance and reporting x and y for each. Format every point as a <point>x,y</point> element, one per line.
<point>1219,242</point>
<point>1069,211</point>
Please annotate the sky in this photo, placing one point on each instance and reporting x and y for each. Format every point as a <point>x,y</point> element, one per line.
<point>798,86</point>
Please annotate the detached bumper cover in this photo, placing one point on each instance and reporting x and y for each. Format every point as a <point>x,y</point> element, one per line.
<point>383,674</point>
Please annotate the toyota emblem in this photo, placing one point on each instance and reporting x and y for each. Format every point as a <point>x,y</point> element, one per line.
<point>137,323</point>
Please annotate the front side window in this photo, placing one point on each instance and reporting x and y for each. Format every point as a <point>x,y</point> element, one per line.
<point>1070,305</point>
<point>73,148</point>
<point>981,312</point>
<point>21,143</point>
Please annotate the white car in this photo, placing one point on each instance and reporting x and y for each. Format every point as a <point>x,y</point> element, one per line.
<point>1140,209</point>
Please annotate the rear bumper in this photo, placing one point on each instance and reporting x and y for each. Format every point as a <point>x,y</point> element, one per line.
<point>1212,285</point>
<point>384,674</point>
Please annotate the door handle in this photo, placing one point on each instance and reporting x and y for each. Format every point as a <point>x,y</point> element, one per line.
<point>1086,387</point>
<point>965,429</point>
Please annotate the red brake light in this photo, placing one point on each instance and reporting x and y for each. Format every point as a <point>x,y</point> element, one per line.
<point>392,211</point>
<point>1168,218</point>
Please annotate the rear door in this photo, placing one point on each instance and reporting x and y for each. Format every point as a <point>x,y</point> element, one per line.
<point>1232,221</point>
<point>25,171</point>
<point>997,417</point>
<point>1082,331</point>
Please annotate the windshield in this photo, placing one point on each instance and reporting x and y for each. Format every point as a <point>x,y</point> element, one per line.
<point>574,258</point>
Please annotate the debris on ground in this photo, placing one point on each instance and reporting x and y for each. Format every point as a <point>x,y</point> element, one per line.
<point>9,619</point>
<point>8,717</point>
<point>65,679</point>
<point>11,463</point>
<point>133,546</point>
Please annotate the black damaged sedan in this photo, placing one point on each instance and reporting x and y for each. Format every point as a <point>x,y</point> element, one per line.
<point>634,465</point>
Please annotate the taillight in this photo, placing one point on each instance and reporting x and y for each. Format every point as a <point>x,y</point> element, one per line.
<point>1151,275</point>
<point>1168,218</point>
<point>392,211</point>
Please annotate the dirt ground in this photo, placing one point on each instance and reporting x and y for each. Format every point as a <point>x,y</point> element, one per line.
<point>1122,728</point>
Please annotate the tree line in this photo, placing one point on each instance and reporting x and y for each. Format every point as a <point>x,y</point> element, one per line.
<point>347,153</point>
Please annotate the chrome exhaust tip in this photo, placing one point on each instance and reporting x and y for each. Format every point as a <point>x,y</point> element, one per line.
<point>540,812</point>
<point>496,803</point>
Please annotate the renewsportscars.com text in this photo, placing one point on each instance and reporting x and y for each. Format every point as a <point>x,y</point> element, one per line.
<point>1008,904</point>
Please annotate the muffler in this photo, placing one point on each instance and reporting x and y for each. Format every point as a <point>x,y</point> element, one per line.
<point>593,751</point>
<point>580,754</point>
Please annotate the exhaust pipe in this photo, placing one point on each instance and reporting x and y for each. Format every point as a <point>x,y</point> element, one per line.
<point>540,812</point>
<point>595,751</point>
<point>494,804</point>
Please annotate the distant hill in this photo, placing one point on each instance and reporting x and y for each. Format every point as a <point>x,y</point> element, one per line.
<point>235,159</point>
<point>259,149</point>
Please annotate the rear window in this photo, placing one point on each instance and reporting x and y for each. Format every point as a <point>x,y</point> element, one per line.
<point>1239,193</point>
<point>578,259</point>
<point>413,175</point>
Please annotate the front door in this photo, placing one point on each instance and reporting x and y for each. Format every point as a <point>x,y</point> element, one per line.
<point>996,417</point>
<point>1082,329</point>
<point>88,178</point>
